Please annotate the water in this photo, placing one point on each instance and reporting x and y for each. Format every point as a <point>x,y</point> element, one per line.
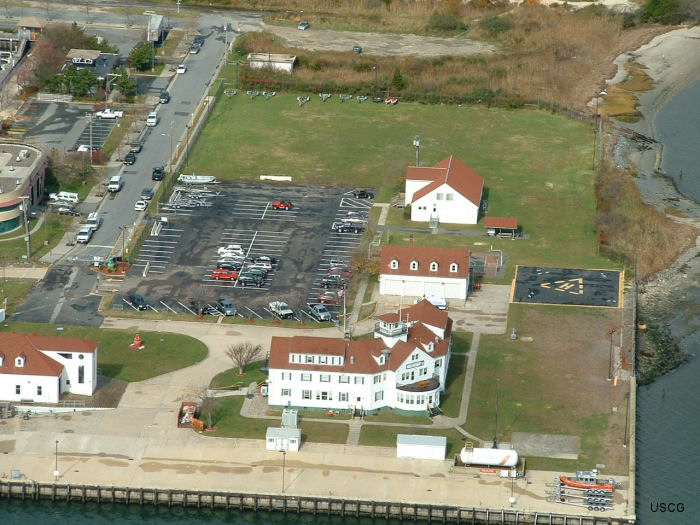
<point>668,422</point>
<point>677,128</point>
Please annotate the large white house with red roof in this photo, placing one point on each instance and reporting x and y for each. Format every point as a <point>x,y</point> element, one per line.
<point>420,271</point>
<point>448,192</point>
<point>40,369</point>
<point>403,367</point>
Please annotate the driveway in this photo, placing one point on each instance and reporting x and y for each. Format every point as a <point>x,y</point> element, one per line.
<point>383,44</point>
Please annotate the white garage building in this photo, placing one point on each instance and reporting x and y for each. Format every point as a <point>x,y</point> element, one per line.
<point>448,192</point>
<point>419,271</point>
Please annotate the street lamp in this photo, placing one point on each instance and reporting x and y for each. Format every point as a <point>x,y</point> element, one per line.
<point>610,360</point>
<point>123,229</point>
<point>376,78</point>
<point>170,160</point>
<point>284,458</point>
<point>56,472</point>
<point>416,144</point>
<point>25,213</point>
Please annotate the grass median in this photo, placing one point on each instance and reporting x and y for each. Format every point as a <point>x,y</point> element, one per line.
<point>164,352</point>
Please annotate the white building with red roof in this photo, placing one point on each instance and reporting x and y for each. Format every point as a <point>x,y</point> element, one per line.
<point>403,367</point>
<point>448,192</point>
<point>420,271</point>
<point>40,369</point>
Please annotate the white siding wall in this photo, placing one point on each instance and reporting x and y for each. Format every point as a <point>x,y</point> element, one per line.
<point>459,210</point>
<point>72,370</point>
<point>29,388</point>
<point>413,186</point>
<point>418,286</point>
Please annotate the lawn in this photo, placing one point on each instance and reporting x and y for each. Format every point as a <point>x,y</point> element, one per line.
<point>42,241</point>
<point>381,436</point>
<point>164,352</point>
<point>229,423</point>
<point>536,165</point>
<point>14,291</point>
<point>230,377</point>
<point>451,399</point>
<point>542,384</point>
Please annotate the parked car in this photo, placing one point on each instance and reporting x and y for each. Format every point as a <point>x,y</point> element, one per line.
<point>147,194</point>
<point>362,194</point>
<point>282,205</point>
<point>341,271</point>
<point>303,26</point>
<point>129,158</point>
<point>329,298</point>
<point>233,259</point>
<point>357,49</point>
<point>84,235</point>
<point>67,210</point>
<point>227,275</point>
<point>263,265</point>
<point>109,114</point>
<point>250,280</point>
<point>349,228</point>
<point>265,258</point>
<point>258,272</point>
<point>137,301</point>
<point>233,266</point>
<point>182,69</point>
<point>194,49</point>
<point>158,173</point>
<point>319,312</point>
<point>281,310</point>
<point>198,41</point>
<point>135,147</point>
<point>333,281</point>
<point>164,97</point>
<point>140,206</point>
<point>231,248</point>
<point>226,307</point>
<point>94,221</point>
<point>152,119</point>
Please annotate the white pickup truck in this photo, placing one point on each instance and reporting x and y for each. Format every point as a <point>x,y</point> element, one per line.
<point>109,114</point>
<point>281,310</point>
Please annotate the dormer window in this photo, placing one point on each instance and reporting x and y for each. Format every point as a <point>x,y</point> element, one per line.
<point>453,268</point>
<point>433,266</point>
<point>394,265</point>
<point>414,265</point>
<point>19,362</point>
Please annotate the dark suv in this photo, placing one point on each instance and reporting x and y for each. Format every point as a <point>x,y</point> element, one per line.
<point>350,228</point>
<point>250,280</point>
<point>130,158</point>
<point>158,173</point>
<point>137,301</point>
<point>362,194</point>
<point>164,97</point>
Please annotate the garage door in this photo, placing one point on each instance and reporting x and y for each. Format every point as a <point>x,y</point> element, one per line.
<point>436,289</point>
<point>391,286</point>
<point>413,289</point>
<point>454,291</point>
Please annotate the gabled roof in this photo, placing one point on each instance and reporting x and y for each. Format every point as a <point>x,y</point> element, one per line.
<point>424,256</point>
<point>14,345</point>
<point>92,54</point>
<point>452,172</point>
<point>362,356</point>
<point>63,344</point>
<point>424,311</point>
<point>506,223</point>
<point>31,21</point>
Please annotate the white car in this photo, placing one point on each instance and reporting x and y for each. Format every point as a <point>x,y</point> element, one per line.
<point>230,248</point>
<point>182,68</point>
<point>140,206</point>
<point>84,235</point>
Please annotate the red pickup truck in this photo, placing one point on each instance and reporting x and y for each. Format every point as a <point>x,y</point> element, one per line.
<point>228,275</point>
<point>282,205</point>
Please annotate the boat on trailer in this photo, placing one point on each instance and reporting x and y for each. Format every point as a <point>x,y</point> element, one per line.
<point>196,179</point>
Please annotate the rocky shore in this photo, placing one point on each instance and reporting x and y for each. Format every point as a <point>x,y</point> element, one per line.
<point>669,297</point>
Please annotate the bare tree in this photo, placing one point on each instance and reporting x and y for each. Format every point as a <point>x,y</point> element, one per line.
<point>243,353</point>
<point>88,4</point>
<point>47,6</point>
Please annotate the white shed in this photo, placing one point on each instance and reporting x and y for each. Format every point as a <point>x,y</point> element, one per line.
<point>410,446</point>
<point>287,439</point>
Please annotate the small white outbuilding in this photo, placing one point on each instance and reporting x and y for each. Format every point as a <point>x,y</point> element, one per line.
<point>283,439</point>
<point>410,446</point>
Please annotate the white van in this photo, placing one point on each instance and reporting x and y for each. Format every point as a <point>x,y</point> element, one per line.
<point>115,183</point>
<point>93,221</point>
<point>66,196</point>
<point>152,119</point>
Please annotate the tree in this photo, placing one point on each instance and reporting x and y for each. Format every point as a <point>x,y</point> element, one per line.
<point>124,83</point>
<point>69,167</point>
<point>141,57</point>
<point>241,354</point>
<point>46,58</point>
<point>397,82</point>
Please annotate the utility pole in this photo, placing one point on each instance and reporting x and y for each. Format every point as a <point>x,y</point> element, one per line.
<point>25,210</point>
<point>495,434</point>
<point>610,360</point>
<point>416,144</point>
<point>56,473</point>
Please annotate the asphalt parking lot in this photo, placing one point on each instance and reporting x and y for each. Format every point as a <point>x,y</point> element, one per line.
<point>567,286</point>
<point>182,257</point>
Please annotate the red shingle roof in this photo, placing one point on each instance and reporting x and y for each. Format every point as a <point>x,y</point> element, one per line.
<point>63,344</point>
<point>450,171</point>
<point>507,223</point>
<point>14,345</point>
<point>423,311</point>
<point>424,256</point>
<point>360,355</point>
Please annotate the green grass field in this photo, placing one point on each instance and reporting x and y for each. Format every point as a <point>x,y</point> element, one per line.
<point>536,166</point>
<point>230,377</point>
<point>163,353</point>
